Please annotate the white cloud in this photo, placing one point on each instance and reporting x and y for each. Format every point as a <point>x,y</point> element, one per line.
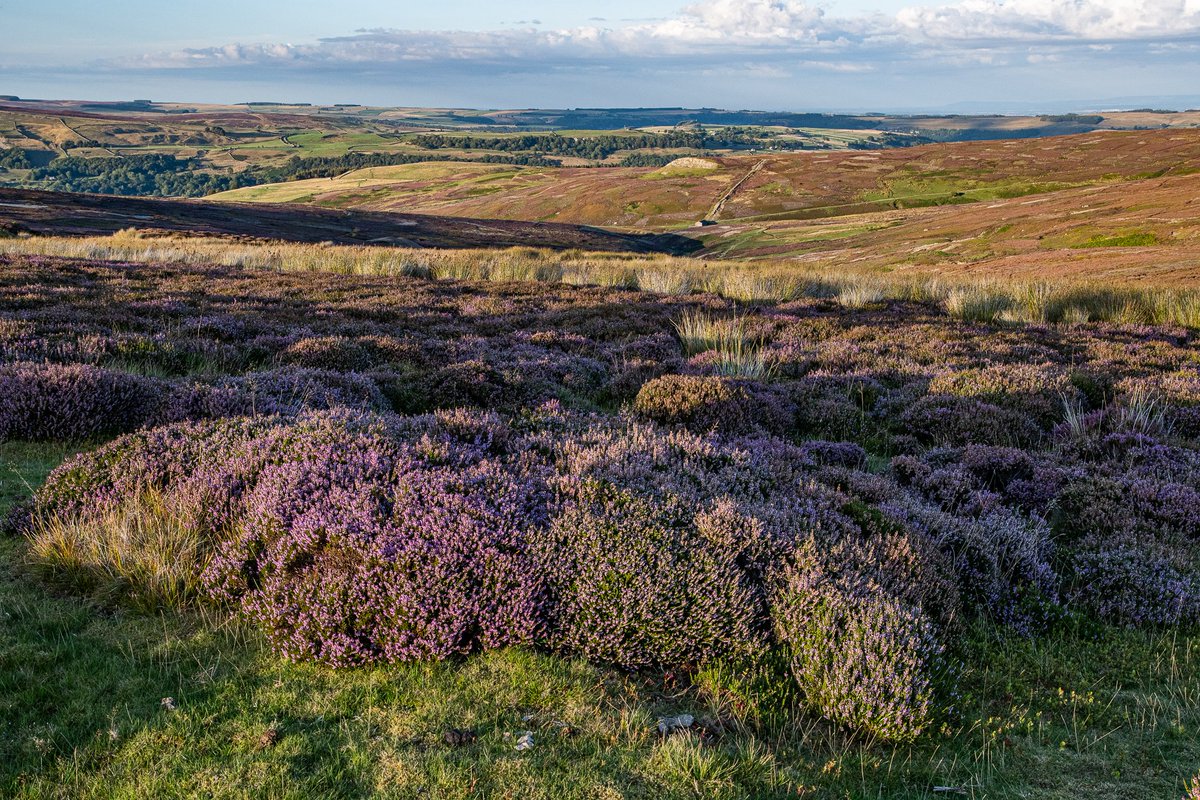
<point>1053,20</point>
<point>778,35</point>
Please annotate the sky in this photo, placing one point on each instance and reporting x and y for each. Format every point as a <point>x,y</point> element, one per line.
<point>850,55</point>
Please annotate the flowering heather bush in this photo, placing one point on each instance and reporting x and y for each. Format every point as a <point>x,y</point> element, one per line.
<point>952,420</point>
<point>329,353</point>
<point>713,404</point>
<point>358,555</point>
<point>72,401</point>
<point>1136,584</point>
<point>282,391</point>
<point>1037,392</point>
<point>835,408</point>
<point>350,539</point>
<point>638,584</point>
<point>862,658</point>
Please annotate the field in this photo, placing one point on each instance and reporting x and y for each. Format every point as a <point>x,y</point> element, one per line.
<point>36,213</point>
<point>290,520</point>
<point>170,149</point>
<point>761,188</point>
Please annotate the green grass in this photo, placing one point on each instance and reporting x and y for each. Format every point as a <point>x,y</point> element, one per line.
<point>1137,239</point>
<point>1095,713</point>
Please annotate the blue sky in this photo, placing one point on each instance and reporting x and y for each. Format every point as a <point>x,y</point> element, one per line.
<point>1006,55</point>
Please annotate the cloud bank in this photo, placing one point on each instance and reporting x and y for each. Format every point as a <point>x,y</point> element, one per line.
<point>769,29</point>
<point>770,53</point>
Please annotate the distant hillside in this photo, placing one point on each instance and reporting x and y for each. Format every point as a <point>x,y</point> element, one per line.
<point>753,188</point>
<point>62,214</point>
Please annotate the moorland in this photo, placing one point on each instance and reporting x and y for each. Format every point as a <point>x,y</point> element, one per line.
<point>320,499</point>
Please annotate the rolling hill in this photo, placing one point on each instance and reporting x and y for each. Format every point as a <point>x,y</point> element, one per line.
<point>753,188</point>
<point>64,214</point>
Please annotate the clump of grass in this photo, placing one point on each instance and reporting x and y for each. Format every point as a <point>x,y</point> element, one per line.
<point>861,294</point>
<point>138,553</point>
<point>665,281</point>
<point>700,332</point>
<point>1141,411</point>
<point>737,353</point>
<point>754,287</point>
<point>1074,417</point>
<point>977,304</point>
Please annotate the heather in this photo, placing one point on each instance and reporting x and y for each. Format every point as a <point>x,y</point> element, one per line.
<point>397,473</point>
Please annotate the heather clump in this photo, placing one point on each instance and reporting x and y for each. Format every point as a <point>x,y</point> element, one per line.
<point>288,390</point>
<point>360,555</point>
<point>72,401</point>
<point>1137,583</point>
<point>637,584</point>
<point>861,658</point>
<point>952,420</point>
<point>1036,392</point>
<point>713,404</point>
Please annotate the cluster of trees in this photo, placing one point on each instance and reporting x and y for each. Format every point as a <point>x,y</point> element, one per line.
<point>885,140</point>
<point>602,146</point>
<point>140,175</point>
<point>297,168</point>
<point>14,158</point>
<point>159,175</point>
<point>649,159</point>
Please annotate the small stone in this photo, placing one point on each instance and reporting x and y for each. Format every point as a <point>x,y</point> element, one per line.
<point>525,740</point>
<point>668,725</point>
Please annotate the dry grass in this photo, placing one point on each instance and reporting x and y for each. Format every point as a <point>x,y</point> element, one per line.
<point>986,301</point>
<point>139,553</point>
<point>737,353</point>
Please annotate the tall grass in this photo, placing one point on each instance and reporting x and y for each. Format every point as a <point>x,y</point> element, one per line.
<point>139,553</point>
<point>1068,302</point>
<point>736,353</point>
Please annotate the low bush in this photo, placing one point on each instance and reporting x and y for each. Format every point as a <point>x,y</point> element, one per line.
<point>72,401</point>
<point>862,659</point>
<point>637,584</point>
<point>953,420</point>
<point>709,404</point>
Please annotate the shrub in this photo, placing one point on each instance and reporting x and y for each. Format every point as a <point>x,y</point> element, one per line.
<point>836,408</point>
<point>328,352</point>
<point>713,404</point>
<point>1130,584</point>
<point>1034,391</point>
<point>836,454</point>
<point>72,401</point>
<point>952,420</point>
<point>358,555</point>
<point>862,659</point>
<point>636,584</point>
<point>288,390</point>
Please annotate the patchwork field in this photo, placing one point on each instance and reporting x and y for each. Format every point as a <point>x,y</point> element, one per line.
<point>313,531</point>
